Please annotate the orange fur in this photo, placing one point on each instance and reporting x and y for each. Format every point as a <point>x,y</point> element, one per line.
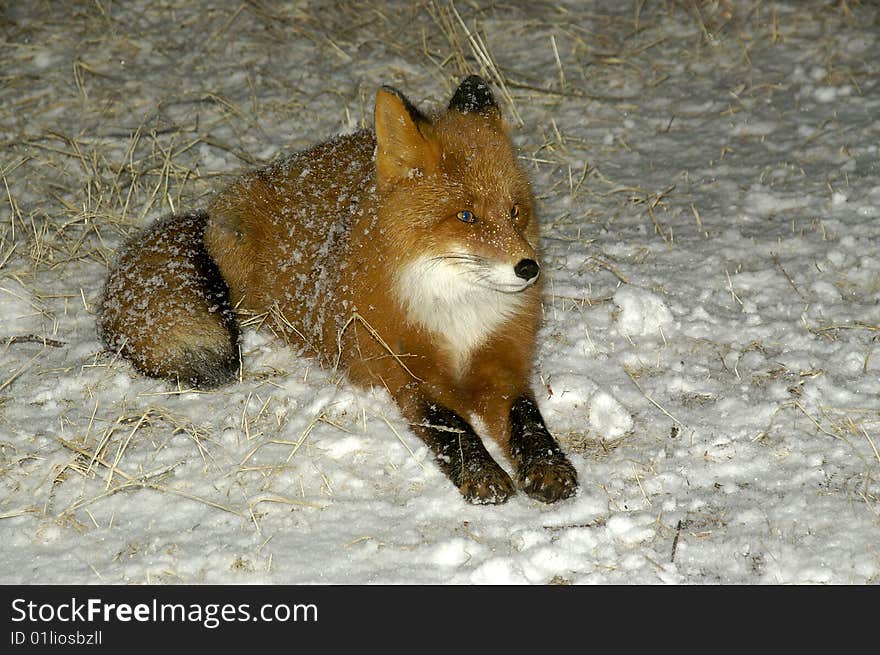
<point>165,307</point>
<point>460,161</point>
<point>359,247</point>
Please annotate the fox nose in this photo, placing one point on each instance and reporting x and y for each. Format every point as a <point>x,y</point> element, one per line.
<point>527,269</point>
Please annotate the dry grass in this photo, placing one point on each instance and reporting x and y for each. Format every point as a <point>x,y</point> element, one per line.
<point>104,127</point>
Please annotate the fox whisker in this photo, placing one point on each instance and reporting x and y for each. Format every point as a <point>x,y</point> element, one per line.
<point>461,259</point>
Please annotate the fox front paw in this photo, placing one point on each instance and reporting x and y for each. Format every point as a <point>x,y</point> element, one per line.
<point>486,485</point>
<point>549,480</point>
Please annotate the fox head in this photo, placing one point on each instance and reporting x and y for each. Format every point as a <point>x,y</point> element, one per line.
<point>454,183</point>
<point>457,208</point>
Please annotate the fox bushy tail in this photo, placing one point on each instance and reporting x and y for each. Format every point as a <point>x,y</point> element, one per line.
<point>166,307</point>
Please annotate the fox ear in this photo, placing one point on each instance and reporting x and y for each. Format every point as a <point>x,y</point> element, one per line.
<point>473,95</point>
<point>403,147</point>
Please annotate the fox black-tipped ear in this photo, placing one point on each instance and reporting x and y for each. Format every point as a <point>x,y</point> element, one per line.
<point>473,95</point>
<point>404,146</point>
<point>415,115</point>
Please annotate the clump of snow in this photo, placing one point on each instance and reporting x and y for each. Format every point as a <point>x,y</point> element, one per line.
<point>608,418</point>
<point>628,530</point>
<point>642,313</point>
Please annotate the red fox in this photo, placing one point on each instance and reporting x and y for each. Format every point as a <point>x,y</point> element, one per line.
<point>405,254</point>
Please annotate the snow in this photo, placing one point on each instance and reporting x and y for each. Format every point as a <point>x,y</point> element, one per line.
<point>708,357</point>
<point>608,418</point>
<point>642,313</point>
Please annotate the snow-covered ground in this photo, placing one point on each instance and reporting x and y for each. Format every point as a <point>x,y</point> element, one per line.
<point>710,200</point>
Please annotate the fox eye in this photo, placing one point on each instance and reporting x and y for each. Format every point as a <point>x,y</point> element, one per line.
<point>515,212</point>
<point>466,216</point>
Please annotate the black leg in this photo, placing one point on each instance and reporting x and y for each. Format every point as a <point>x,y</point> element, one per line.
<point>543,470</point>
<point>463,457</point>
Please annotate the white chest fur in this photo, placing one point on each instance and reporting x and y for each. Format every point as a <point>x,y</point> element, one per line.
<point>452,304</point>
